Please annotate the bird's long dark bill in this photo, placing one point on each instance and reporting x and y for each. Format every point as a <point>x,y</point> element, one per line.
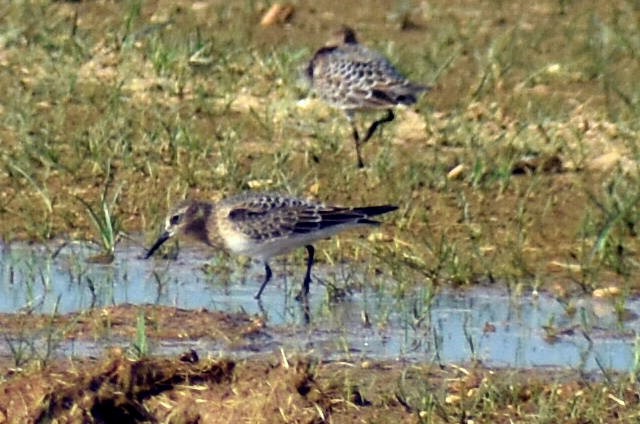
<point>163,237</point>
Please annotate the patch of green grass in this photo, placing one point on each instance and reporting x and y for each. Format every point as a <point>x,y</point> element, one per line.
<point>474,394</point>
<point>609,228</point>
<point>27,347</point>
<point>104,221</point>
<point>140,347</point>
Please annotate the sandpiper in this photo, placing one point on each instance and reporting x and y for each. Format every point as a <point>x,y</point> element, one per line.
<point>351,77</point>
<point>264,225</point>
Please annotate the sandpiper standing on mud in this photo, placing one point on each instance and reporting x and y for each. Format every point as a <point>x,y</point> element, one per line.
<point>264,225</point>
<point>351,77</point>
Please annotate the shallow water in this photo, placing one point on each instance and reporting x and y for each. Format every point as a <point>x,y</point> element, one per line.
<point>443,327</point>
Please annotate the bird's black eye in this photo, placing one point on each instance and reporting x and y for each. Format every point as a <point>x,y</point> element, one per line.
<point>174,219</point>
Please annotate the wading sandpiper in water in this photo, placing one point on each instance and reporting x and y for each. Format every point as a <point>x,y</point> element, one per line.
<point>351,77</point>
<point>264,225</point>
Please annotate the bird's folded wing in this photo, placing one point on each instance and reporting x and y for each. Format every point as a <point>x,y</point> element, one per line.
<point>268,221</point>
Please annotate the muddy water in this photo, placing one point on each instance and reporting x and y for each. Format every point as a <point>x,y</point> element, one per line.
<point>445,326</point>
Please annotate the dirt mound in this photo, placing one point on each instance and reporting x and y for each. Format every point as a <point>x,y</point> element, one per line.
<point>112,391</point>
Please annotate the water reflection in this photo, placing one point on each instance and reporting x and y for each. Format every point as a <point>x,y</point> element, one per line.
<point>443,327</point>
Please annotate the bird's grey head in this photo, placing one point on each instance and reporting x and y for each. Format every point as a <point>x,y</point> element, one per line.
<point>188,216</point>
<point>179,217</point>
<point>344,35</point>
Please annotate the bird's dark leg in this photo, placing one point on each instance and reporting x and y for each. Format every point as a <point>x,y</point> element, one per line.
<point>372,129</point>
<point>306,313</point>
<point>304,293</point>
<point>261,307</point>
<point>356,137</point>
<point>267,269</point>
<point>307,276</point>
